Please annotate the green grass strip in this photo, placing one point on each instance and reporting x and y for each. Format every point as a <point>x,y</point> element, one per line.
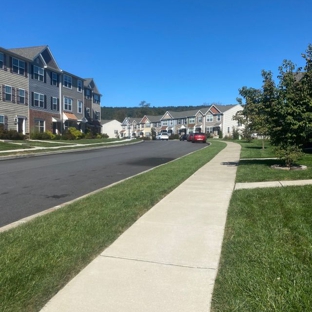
<point>37,259</point>
<point>266,262</point>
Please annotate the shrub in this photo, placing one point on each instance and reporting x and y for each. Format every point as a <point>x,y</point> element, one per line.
<point>220,134</point>
<point>75,133</point>
<point>174,137</point>
<point>288,154</point>
<point>10,134</point>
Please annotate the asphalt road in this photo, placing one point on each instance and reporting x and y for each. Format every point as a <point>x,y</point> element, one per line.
<point>34,184</point>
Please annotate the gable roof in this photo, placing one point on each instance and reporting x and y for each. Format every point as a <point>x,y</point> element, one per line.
<point>31,53</point>
<point>89,82</point>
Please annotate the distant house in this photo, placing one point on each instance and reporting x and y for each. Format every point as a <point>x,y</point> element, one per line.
<point>220,118</point>
<point>111,127</point>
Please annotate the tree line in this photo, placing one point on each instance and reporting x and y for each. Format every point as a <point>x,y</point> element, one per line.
<point>120,113</point>
<point>281,111</point>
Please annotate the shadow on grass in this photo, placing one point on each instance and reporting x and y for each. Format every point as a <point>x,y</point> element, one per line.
<point>264,162</point>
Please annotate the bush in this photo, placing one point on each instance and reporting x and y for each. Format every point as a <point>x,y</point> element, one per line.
<point>174,137</point>
<point>220,134</point>
<point>47,135</point>
<point>10,134</point>
<point>75,133</point>
<point>288,154</point>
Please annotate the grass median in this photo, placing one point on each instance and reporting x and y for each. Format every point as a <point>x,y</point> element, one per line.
<point>37,259</point>
<point>266,261</point>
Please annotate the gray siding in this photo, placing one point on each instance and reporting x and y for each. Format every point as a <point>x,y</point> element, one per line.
<point>74,94</point>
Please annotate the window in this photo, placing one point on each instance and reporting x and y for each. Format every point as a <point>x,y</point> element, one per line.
<point>209,129</point>
<point>1,120</point>
<point>79,85</point>
<point>18,66</point>
<point>39,100</point>
<point>96,98</point>
<point>97,115</point>
<point>38,73</point>
<point>219,117</point>
<point>87,112</point>
<point>164,123</point>
<point>39,125</point>
<point>1,60</point>
<point>88,94</point>
<point>21,96</point>
<point>67,81</point>
<point>54,80</point>
<point>7,90</point>
<point>68,104</point>
<point>209,118</point>
<point>54,103</point>
<point>79,107</point>
<point>200,119</point>
<point>191,120</point>
<point>228,130</point>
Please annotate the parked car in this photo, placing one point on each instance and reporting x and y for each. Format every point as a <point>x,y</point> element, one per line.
<point>183,137</point>
<point>164,136</point>
<point>199,137</point>
<point>158,136</point>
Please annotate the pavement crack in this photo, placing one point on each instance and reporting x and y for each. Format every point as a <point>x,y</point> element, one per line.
<point>162,263</point>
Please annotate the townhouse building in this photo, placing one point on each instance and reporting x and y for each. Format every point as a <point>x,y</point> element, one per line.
<point>14,91</point>
<point>211,120</point>
<point>37,96</point>
<point>92,102</point>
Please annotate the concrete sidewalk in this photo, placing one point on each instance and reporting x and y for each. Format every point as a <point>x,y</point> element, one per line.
<point>168,259</point>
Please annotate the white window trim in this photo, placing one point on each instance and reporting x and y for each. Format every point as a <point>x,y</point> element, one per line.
<point>40,102</point>
<point>5,89</point>
<point>54,103</point>
<point>38,128</point>
<point>19,67</point>
<point>69,104</point>
<point>54,79</point>
<point>209,118</point>
<point>3,118</point>
<point>79,109</point>
<point>24,96</point>
<point>39,72</point>
<point>79,86</point>
<point>68,80</point>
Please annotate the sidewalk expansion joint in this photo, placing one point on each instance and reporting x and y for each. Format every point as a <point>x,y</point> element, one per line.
<point>281,183</point>
<point>162,263</point>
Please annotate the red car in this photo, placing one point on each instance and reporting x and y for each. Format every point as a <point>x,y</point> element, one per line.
<point>199,137</point>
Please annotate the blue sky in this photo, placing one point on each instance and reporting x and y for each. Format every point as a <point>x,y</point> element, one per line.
<point>165,52</point>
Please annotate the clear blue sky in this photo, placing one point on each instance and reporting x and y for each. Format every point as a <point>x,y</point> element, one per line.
<point>166,52</point>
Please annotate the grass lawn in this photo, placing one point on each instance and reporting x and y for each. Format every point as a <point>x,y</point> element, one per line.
<point>38,258</point>
<point>8,146</point>
<point>266,262</point>
<point>256,170</point>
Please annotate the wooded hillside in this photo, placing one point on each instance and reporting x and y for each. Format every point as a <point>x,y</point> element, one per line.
<point>119,113</point>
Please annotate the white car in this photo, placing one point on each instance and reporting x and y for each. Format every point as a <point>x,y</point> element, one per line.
<point>164,136</point>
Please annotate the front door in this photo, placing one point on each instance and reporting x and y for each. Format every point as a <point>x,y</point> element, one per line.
<point>20,125</point>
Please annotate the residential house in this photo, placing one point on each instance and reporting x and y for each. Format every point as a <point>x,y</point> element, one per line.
<point>14,91</point>
<point>220,118</point>
<point>44,92</point>
<point>72,107</point>
<point>131,127</point>
<point>111,127</point>
<point>148,124</point>
<point>92,102</point>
